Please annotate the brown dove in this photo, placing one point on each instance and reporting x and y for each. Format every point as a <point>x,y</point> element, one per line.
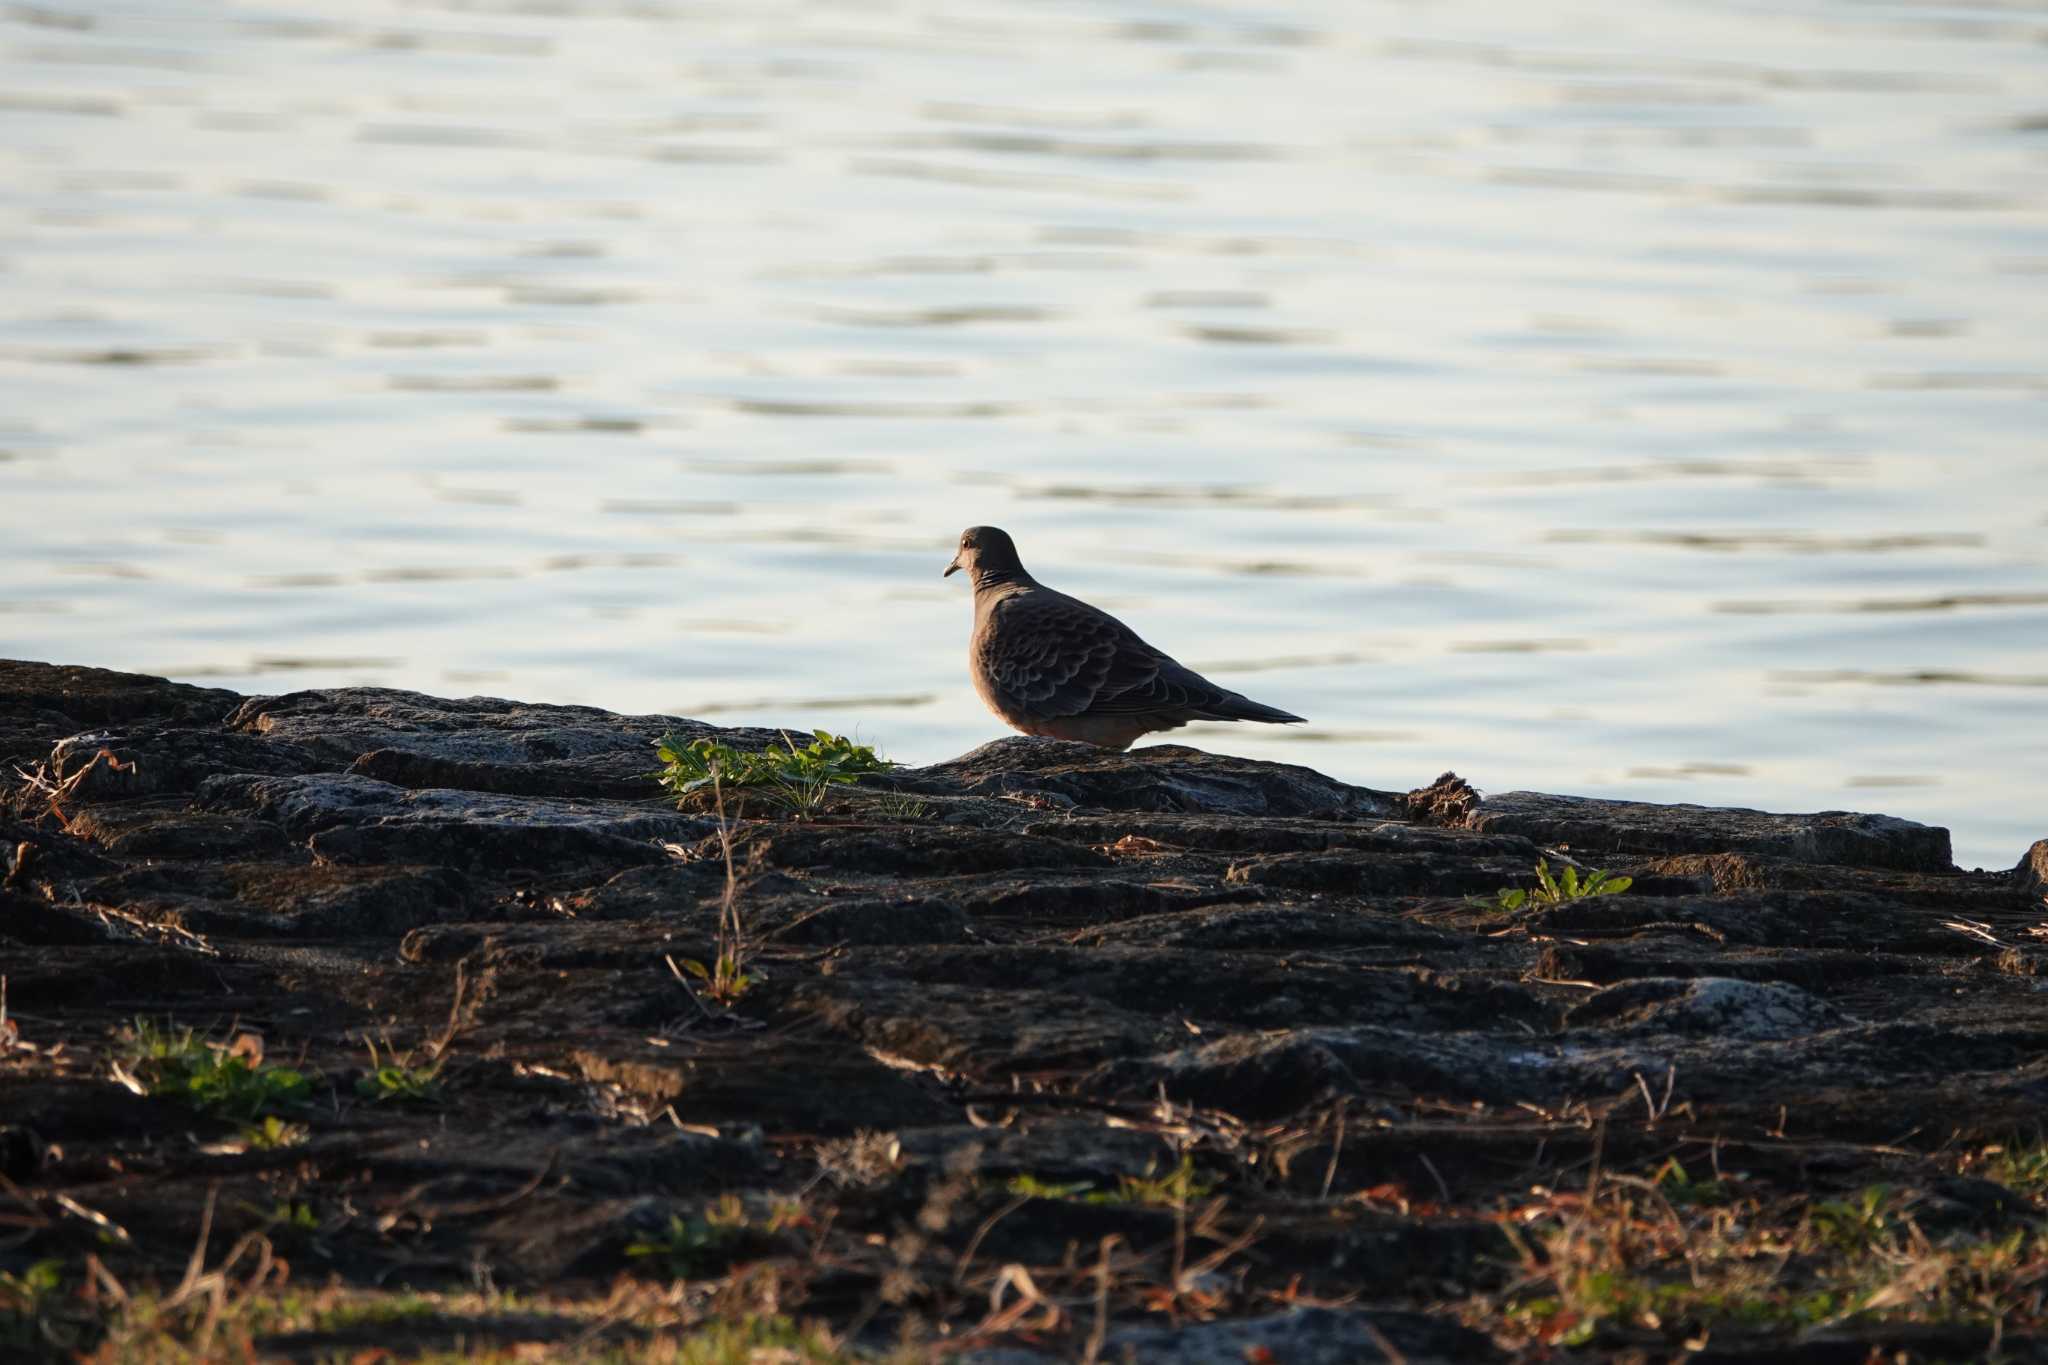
<point>1050,664</point>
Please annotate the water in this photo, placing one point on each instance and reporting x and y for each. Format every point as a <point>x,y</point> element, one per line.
<point>1633,400</point>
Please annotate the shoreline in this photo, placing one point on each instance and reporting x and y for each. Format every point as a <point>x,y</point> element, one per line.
<point>1042,1049</point>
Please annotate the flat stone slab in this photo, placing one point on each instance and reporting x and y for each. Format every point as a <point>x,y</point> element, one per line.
<point>1160,777</point>
<point>1840,838</point>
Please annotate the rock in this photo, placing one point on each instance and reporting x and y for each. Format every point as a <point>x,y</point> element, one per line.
<point>343,723</point>
<point>147,760</point>
<point>826,1090</point>
<point>1155,778</point>
<point>349,819</point>
<point>906,851</point>
<point>909,919</point>
<point>2031,875</point>
<point>1369,875</point>
<point>600,774</point>
<point>1450,800</point>
<point>1833,837</point>
<point>157,830</point>
<point>22,1153</point>
<point>1712,1007</point>
<point>45,702</point>
<point>948,1028</point>
<point>655,890</point>
<point>1305,1336</point>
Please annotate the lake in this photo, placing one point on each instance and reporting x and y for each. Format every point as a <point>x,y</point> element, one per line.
<point>1646,401</point>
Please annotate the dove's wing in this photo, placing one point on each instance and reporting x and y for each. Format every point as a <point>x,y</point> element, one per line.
<point>1045,655</point>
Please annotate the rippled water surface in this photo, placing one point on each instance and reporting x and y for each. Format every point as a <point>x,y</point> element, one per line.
<point>1647,400</point>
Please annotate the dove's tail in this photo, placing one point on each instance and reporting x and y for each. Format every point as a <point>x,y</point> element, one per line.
<point>1235,707</point>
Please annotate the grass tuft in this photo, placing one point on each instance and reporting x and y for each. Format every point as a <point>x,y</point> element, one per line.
<point>1636,1255</point>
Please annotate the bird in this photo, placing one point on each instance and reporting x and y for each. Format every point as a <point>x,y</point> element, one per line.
<point>1052,665</point>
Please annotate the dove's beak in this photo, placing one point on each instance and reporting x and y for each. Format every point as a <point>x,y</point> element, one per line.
<point>952,568</point>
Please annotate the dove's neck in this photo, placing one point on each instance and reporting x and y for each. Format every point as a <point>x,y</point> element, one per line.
<point>989,579</point>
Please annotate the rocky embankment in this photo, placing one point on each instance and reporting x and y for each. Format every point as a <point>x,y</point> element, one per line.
<point>1046,1053</point>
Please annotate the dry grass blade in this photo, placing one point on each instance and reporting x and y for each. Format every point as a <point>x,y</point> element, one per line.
<point>1336,1151</point>
<point>1379,1339</point>
<point>107,1226</point>
<point>982,1231</point>
<point>1099,1331</point>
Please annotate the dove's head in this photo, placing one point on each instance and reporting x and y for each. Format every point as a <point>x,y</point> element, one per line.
<point>988,555</point>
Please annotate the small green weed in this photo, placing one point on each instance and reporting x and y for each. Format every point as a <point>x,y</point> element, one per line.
<point>271,1133</point>
<point>1597,1296</point>
<point>1175,1189</point>
<point>1675,1184</point>
<point>394,1078</point>
<point>293,1215</point>
<point>38,1281</point>
<point>726,979</point>
<point>26,1299</point>
<point>689,1248</point>
<point>1860,1223</point>
<point>1554,890</point>
<point>1031,1187</point>
<point>798,780</point>
<point>227,1081</point>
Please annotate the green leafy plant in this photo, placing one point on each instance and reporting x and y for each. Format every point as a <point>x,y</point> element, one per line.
<point>726,979</point>
<point>271,1132</point>
<point>229,1081</point>
<point>1555,890</point>
<point>798,780</point>
<point>393,1077</point>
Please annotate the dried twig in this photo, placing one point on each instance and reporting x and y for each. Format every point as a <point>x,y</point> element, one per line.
<point>1438,1176</point>
<point>446,1038</point>
<point>1336,1150</point>
<point>1379,1339</point>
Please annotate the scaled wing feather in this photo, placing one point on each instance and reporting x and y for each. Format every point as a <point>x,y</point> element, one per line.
<point>1054,658</point>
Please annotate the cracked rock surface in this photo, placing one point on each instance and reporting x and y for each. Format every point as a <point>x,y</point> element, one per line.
<point>1037,967</point>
